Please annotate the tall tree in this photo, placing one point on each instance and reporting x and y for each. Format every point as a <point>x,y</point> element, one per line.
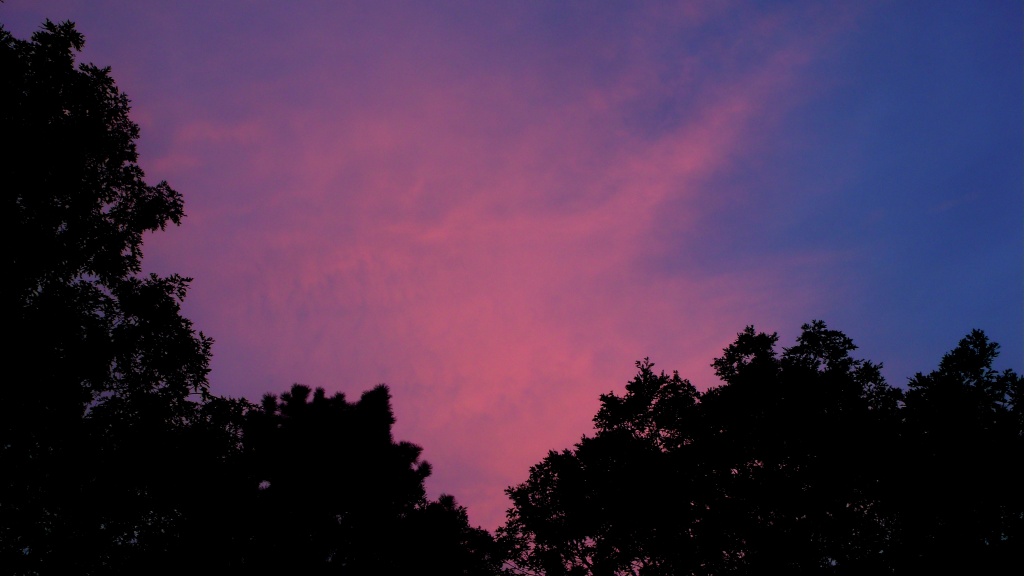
<point>105,375</point>
<point>962,505</point>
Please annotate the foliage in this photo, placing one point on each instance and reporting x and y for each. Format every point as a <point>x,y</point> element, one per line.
<point>334,492</point>
<point>804,462</point>
<point>107,376</point>
<point>963,508</point>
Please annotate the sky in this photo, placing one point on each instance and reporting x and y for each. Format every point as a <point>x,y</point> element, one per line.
<point>497,208</point>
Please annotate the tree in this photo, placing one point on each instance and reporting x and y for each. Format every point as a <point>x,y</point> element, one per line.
<point>579,511</point>
<point>106,377</point>
<point>962,507</point>
<point>801,462</point>
<point>333,492</point>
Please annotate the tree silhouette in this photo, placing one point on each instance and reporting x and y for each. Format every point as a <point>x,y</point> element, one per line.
<point>962,507</point>
<point>106,377</point>
<point>336,494</point>
<point>802,462</point>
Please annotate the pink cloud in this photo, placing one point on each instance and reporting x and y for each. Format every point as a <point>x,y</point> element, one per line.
<point>475,237</point>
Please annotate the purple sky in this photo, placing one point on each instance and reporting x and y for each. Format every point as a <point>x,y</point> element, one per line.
<point>497,207</point>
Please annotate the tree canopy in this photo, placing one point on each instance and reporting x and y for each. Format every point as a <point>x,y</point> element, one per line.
<point>804,462</point>
<point>106,376</point>
<point>336,494</point>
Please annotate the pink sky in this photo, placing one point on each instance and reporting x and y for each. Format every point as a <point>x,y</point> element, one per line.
<point>473,239</point>
<point>495,211</point>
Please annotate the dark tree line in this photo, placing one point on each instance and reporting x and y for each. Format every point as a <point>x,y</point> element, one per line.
<point>804,462</point>
<point>115,457</point>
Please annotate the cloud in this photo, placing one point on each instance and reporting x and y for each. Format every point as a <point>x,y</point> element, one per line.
<point>478,231</point>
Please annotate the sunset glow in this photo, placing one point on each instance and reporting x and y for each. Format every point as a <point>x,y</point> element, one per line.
<point>497,208</point>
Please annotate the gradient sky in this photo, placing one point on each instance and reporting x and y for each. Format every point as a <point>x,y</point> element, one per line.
<point>496,208</point>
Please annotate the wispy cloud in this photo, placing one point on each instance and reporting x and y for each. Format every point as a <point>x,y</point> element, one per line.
<point>478,235</point>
